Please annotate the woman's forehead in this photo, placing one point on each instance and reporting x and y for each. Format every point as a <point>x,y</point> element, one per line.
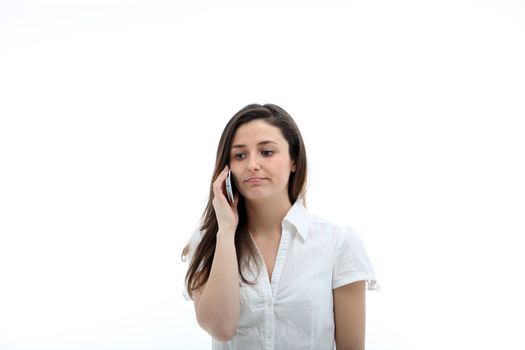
<point>257,131</point>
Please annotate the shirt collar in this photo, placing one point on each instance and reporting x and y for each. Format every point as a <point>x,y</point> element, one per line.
<point>299,217</point>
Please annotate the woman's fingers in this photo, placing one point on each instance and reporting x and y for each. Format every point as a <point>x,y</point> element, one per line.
<point>226,213</point>
<point>219,181</point>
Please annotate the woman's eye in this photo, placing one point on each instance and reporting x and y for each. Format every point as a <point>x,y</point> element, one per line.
<point>241,156</point>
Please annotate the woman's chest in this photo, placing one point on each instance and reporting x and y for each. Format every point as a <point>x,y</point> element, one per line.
<point>301,292</point>
<point>268,251</point>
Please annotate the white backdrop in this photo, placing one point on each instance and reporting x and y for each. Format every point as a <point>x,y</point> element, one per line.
<point>110,114</point>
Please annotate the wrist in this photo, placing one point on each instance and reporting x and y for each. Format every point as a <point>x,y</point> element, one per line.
<point>226,234</point>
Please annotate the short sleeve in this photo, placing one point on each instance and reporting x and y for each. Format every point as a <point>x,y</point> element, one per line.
<point>193,242</point>
<point>351,262</point>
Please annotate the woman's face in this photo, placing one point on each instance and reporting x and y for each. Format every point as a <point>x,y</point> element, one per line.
<point>260,161</point>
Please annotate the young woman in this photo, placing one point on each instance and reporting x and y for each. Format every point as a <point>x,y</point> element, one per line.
<point>264,273</point>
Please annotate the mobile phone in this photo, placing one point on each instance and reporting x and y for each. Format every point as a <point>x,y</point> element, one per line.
<point>229,186</point>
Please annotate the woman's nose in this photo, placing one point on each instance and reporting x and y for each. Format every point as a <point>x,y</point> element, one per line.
<point>254,163</point>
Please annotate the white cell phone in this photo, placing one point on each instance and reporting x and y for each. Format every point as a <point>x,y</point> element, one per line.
<point>229,187</point>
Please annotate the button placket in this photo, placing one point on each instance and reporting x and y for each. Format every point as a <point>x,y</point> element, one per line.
<point>270,288</point>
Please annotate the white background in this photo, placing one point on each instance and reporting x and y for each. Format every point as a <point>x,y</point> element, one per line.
<point>110,115</point>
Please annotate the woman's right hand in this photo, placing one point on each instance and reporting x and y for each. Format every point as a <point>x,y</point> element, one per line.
<point>227,215</point>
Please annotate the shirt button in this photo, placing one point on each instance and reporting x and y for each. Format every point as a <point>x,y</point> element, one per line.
<point>269,302</point>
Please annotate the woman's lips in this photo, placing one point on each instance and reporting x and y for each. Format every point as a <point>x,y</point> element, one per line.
<point>255,180</point>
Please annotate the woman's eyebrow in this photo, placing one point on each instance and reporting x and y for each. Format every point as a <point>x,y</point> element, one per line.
<point>260,143</point>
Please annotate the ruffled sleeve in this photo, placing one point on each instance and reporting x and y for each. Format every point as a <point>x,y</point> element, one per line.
<point>193,242</point>
<point>351,262</point>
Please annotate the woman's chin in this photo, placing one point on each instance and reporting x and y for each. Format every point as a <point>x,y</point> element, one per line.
<point>255,196</point>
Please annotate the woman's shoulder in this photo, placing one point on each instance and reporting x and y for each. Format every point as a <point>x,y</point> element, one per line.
<point>195,237</point>
<point>193,241</point>
<point>334,229</point>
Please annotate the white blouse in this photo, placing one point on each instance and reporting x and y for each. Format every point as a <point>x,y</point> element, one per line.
<point>295,310</point>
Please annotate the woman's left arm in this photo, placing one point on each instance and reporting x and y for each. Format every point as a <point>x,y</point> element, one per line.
<point>349,314</point>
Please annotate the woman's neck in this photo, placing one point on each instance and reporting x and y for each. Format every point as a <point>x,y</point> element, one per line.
<point>265,217</point>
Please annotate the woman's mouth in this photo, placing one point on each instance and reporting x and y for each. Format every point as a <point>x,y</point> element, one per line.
<point>255,180</point>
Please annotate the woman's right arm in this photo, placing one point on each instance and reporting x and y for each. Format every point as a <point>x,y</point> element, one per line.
<point>217,302</point>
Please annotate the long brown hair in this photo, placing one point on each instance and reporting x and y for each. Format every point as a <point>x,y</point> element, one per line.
<point>200,266</point>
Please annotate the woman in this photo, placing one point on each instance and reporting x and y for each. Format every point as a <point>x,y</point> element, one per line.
<point>264,273</point>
